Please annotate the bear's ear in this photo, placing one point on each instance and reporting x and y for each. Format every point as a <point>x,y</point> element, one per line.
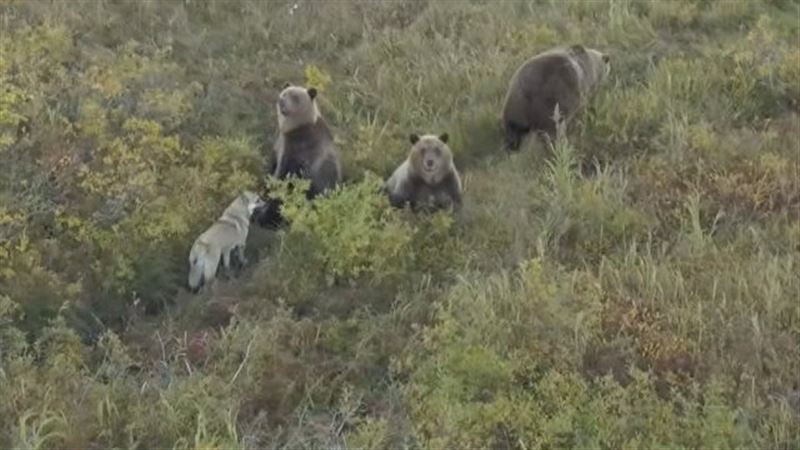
<point>414,138</point>
<point>286,85</point>
<point>606,58</point>
<point>577,49</point>
<point>444,137</point>
<point>312,93</point>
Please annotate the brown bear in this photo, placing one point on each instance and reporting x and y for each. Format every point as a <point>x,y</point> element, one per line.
<point>427,180</point>
<point>566,77</point>
<point>304,149</point>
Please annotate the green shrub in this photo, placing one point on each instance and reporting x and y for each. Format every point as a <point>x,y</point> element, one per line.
<point>25,281</point>
<point>12,341</point>
<point>486,376</point>
<point>353,230</point>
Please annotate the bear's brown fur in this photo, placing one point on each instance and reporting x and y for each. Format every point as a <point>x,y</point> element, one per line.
<point>561,76</point>
<point>427,180</point>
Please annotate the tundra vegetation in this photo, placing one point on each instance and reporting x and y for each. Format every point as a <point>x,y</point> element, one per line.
<point>636,286</point>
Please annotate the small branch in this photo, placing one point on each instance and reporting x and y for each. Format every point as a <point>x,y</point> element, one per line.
<point>244,360</point>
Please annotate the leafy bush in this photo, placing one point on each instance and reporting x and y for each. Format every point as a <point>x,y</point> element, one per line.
<point>487,375</point>
<point>366,240</point>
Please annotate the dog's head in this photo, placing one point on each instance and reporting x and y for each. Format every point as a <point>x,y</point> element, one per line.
<point>251,200</point>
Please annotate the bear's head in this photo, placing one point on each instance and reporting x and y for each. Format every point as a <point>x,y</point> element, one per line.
<point>596,65</point>
<point>296,107</point>
<point>430,157</point>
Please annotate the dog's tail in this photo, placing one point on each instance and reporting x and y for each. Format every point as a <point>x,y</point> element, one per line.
<point>202,266</point>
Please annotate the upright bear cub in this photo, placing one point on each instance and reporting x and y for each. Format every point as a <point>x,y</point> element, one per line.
<point>428,179</point>
<point>304,149</point>
<point>566,77</point>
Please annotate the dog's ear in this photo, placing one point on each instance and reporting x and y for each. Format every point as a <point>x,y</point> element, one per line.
<point>444,137</point>
<point>414,138</point>
<point>312,93</point>
<point>286,85</point>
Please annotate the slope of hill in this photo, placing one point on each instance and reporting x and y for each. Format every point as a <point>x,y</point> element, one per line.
<point>634,287</point>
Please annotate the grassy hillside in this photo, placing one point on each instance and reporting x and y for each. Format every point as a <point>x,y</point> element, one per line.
<point>634,287</point>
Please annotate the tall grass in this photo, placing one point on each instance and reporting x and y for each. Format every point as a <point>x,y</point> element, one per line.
<point>632,285</point>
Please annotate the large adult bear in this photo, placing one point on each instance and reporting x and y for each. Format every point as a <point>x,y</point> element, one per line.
<point>563,76</point>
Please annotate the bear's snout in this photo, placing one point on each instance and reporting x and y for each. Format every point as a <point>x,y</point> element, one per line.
<point>283,106</point>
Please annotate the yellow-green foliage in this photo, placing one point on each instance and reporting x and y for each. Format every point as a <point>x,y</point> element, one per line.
<point>316,78</point>
<point>633,286</point>
<point>10,119</point>
<point>368,240</point>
